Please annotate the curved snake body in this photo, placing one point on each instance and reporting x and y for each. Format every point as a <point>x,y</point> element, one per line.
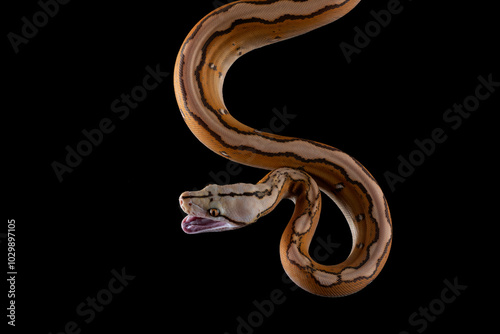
<point>299,167</point>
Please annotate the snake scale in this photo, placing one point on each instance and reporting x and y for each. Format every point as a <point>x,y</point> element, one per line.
<point>300,169</point>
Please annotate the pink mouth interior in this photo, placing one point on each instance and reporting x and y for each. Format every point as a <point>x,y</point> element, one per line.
<point>192,224</point>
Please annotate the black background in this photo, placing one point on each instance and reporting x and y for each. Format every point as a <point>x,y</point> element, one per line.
<point>119,209</point>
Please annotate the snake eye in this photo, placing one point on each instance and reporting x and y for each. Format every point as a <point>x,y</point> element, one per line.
<point>213,212</point>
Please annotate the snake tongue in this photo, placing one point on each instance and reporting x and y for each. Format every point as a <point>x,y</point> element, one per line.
<point>193,224</point>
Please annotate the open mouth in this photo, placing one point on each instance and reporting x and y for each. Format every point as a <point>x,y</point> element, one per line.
<point>192,224</point>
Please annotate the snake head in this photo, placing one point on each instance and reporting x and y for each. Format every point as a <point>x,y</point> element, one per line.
<point>220,208</point>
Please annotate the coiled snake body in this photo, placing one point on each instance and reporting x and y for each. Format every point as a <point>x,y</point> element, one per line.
<point>300,167</point>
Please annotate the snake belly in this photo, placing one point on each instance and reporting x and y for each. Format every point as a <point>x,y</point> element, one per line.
<point>207,53</point>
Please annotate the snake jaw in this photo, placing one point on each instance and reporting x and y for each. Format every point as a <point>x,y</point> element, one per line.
<point>193,225</point>
<point>198,219</point>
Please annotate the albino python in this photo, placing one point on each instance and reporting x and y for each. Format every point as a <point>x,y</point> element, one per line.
<point>300,167</point>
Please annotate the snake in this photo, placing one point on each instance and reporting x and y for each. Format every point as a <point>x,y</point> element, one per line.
<point>300,170</point>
